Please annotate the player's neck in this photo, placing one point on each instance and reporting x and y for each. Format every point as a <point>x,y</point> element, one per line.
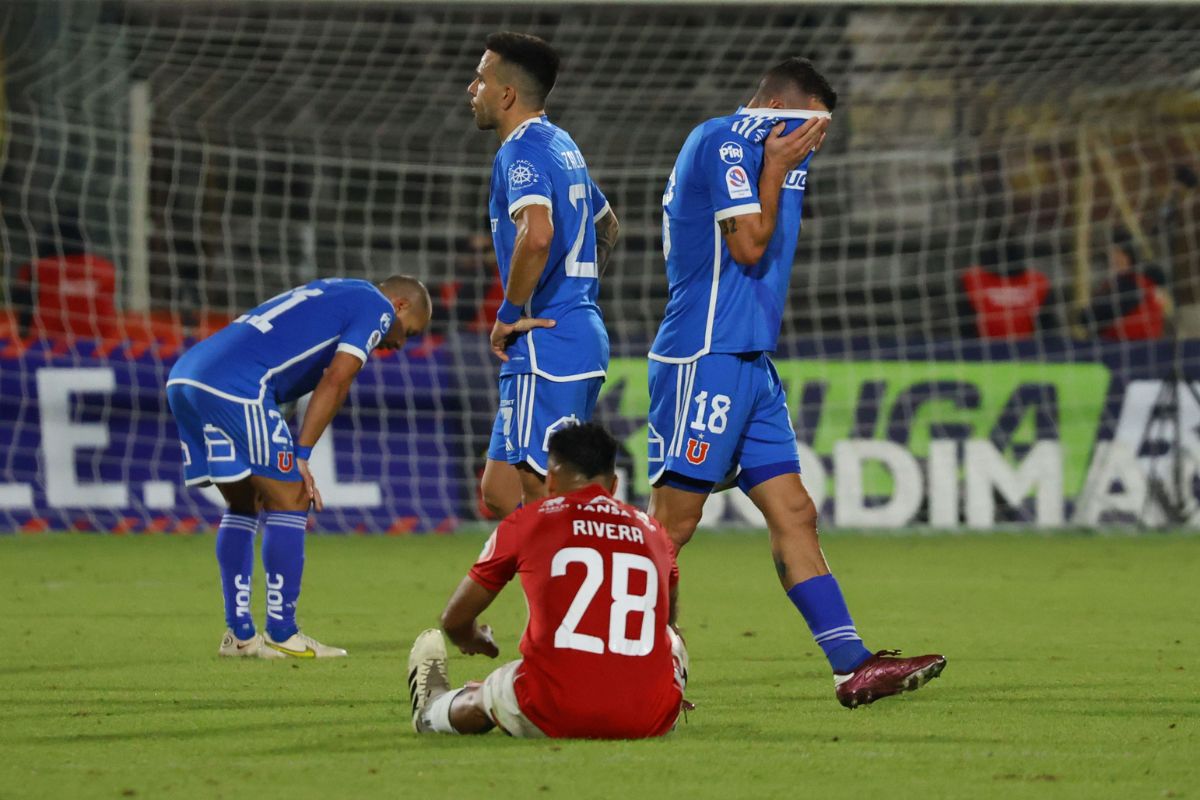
<point>505,128</point>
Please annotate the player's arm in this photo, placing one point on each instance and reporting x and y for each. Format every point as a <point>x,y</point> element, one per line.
<point>531,251</point>
<point>326,400</point>
<point>747,235</point>
<point>460,620</point>
<point>607,232</point>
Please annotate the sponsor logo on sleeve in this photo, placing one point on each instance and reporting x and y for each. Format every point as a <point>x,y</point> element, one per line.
<point>385,322</point>
<point>731,153</point>
<point>737,183</point>
<point>489,548</point>
<point>373,341</point>
<point>521,175</point>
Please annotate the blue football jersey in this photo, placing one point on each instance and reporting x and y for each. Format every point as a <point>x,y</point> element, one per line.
<point>716,305</point>
<point>539,163</point>
<point>282,347</point>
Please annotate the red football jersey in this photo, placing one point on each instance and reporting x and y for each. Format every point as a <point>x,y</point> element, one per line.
<point>596,574</point>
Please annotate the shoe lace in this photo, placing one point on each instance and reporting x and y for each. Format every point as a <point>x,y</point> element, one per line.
<point>437,671</point>
<point>888,653</point>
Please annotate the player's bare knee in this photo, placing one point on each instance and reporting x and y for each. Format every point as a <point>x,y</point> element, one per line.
<point>467,713</point>
<point>499,503</point>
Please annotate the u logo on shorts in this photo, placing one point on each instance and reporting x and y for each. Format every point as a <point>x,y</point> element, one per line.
<point>696,451</point>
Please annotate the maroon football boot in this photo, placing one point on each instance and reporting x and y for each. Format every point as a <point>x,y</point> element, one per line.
<point>883,675</point>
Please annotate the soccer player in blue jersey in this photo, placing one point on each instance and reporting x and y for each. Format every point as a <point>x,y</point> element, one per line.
<point>226,393</point>
<point>553,231</point>
<point>731,217</point>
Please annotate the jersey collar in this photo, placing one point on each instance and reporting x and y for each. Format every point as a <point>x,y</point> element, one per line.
<point>783,113</point>
<point>520,129</point>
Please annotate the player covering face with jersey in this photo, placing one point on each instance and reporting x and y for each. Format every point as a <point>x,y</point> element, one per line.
<point>731,218</point>
<point>599,657</point>
<point>227,394</point>
<point>553,231</point>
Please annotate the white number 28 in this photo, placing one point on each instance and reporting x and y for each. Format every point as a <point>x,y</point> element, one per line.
<point>623,603</point>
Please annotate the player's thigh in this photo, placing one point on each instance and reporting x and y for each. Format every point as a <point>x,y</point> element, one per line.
<point>678,510</point>
<point>280,495</point>
<point>768,447</point>
<point>501,487</point>
<point>240,496</point>
<point>500,703</point>
<point>697,415</point>
<point>545,407</point>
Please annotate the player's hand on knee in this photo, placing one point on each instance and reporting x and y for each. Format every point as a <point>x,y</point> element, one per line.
<point>482,644</point>
<point>310,486</point>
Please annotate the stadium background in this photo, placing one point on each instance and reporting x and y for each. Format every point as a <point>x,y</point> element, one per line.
<point>216,154</point>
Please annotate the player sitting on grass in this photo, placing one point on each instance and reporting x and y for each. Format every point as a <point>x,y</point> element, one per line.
<point>731,217</point>
<point>226,394</point>
<point>600,660</point>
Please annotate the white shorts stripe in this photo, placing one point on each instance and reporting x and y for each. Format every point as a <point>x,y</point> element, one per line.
<point>529,420</point>
<point>266,436</point>
<point>249,433</point>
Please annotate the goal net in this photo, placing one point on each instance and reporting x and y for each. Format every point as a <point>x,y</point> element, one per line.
<point>994,298</point>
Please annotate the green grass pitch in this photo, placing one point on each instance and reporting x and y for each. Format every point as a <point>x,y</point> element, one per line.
<point>1073,672</point>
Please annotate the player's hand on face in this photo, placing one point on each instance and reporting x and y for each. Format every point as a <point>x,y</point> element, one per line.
<point>310,486</point>
<point>790,150</point>
<point>504,335</point>
<point>483,644</point>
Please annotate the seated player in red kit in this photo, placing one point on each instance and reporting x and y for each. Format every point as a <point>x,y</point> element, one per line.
<point>600,659</point>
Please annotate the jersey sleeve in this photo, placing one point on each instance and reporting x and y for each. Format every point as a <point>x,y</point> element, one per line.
<point>527,176</point>
<point>365,327</point>
<point>497,564</point>
<point>600,205</point>
<point>731,166</point>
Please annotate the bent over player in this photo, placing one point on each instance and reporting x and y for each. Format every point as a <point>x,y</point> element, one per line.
<point>731,217</point>
<point>600,660</point>
<point>553,232</point>
<point>226,394</point>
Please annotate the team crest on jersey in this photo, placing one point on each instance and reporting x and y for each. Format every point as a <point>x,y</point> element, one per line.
<point>284,460</point>
<point>521,174</point>
<point>697,451</point>
<point>737,183</point>
<point>731,153</point>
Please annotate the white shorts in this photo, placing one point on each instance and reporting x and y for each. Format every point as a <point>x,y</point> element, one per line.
<point>500,693</point>
<point>500,702</point>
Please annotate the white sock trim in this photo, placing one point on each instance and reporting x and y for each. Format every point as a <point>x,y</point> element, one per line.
<point>437,714</point>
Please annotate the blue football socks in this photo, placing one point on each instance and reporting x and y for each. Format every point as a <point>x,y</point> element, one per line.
<point>283,560</point>
<point>820,600</point>
<point>235,556</point>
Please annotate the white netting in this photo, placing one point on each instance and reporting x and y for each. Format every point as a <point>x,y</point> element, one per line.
<point>216,154</point>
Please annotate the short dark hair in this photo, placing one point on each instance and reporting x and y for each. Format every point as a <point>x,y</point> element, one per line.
<point>589,448</point>
<point>532,55</point>
<point>801,73</point>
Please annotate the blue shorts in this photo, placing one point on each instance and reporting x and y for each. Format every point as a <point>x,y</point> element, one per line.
<point>718,414</point>
<point>226,440</point>
<point>531,409</point>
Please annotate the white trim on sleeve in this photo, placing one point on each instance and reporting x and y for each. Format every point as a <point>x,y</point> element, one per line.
<point>357,352</point>
<point>599,215</point>
<point>528,200</point>
<point>737,211</point>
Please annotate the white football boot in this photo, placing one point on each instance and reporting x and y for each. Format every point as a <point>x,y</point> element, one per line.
<point>427,676</point>
<point>298,645</point>
<point>233,647</point>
